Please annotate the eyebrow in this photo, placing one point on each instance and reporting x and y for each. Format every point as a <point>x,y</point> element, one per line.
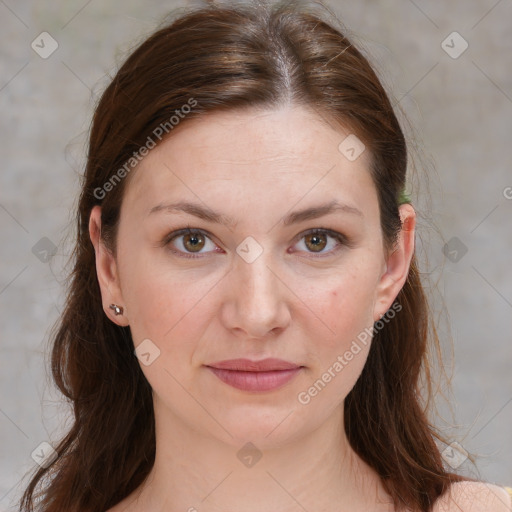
<point>205,213</point>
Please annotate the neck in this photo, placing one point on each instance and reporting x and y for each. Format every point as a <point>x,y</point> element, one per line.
<point>197,472</point>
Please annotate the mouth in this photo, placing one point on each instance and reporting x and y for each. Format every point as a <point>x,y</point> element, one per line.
<point>248,375</point>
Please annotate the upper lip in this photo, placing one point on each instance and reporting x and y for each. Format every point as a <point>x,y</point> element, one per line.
<point>248,365</point>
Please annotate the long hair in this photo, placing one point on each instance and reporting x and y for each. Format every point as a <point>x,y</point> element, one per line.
<point>221,58</point>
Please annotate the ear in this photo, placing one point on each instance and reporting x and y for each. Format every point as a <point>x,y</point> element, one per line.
<point>397,263</point>
<point>106,270</point>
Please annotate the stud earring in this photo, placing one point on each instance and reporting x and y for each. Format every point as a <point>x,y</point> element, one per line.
<point>118,310</point>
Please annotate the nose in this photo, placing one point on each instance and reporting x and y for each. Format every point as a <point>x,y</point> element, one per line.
<point>256,302</point>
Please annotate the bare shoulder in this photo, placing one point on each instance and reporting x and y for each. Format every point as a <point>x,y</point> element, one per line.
<point>474,497</point>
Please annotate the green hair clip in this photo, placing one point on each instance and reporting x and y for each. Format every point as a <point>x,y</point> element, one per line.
<point>404,197</point>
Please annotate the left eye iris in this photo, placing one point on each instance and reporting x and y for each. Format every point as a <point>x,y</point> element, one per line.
<point>316,241</point>
<point>193,241</point>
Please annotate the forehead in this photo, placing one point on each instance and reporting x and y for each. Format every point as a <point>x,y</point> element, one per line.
<point>257,155</point>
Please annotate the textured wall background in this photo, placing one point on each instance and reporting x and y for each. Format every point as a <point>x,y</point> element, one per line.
<point>459,100</point>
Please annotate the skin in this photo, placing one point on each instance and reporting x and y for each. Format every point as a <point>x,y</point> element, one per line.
<point>255,167</point>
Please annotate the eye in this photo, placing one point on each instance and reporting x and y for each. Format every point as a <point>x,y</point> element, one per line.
<point>316,240</point>
<point>189,242</point>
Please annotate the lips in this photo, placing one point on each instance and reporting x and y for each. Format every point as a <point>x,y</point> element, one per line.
<point>247,365</point>
<point>249,375</point>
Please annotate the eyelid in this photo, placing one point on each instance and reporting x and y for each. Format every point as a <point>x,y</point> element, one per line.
<point>342,240</point>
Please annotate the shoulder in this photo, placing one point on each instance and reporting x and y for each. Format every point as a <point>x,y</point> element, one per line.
<point>474,497</point>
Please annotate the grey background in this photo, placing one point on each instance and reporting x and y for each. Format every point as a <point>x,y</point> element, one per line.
<point>461,110</point>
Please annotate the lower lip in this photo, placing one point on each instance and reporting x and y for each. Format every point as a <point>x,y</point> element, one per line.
<point>255,381</point>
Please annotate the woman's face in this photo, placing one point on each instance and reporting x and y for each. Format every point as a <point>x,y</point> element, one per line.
<point>251,281</point>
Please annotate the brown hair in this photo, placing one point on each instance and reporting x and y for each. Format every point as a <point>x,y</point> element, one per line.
<point>227,58</point>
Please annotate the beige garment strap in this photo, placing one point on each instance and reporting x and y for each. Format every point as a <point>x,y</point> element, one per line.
<point>509,490</point>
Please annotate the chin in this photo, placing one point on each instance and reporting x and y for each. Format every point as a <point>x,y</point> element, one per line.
<point>266,427</point>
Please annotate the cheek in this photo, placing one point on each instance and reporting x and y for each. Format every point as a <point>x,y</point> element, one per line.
<point>338,357</point>
<point>165,308</point>
<point>163,304</point>
<point>343,304</point>
<point>170,309</point>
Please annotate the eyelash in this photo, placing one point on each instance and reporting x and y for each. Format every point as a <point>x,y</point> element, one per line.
<point>342,240</point>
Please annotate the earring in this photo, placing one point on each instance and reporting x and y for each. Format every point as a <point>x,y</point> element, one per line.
<point>118,310</point>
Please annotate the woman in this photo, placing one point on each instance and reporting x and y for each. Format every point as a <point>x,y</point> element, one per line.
<point>245,325</point>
